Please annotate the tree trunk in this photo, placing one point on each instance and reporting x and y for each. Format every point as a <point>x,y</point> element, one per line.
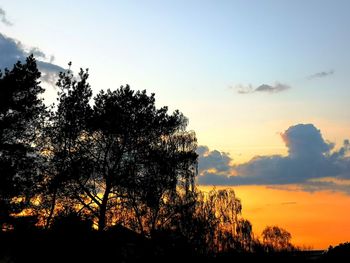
<point>52,209</point>
<point>103,209</point>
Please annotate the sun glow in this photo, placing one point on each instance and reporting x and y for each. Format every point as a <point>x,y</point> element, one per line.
<point>315,220</point>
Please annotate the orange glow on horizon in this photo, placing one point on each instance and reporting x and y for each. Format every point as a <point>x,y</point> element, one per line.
<point>315,220</point>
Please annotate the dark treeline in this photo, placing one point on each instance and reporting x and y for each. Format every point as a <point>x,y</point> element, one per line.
<point>109,177</point>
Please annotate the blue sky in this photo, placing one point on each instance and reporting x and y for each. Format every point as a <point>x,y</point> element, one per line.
<point>197,55</point>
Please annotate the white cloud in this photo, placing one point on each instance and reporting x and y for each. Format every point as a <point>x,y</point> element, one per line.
<point>3,18</point>
<point>277,87</point>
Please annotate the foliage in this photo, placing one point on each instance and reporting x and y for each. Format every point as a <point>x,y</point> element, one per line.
<point>114,162</point>
<point>21,115</point>
<point>212,224</point>
<point>277,238</point>
<point>121,157</point>
<point>339,253</point>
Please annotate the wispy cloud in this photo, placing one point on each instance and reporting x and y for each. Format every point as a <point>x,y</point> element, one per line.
<point>288,203</point>
<point>334,186</point>
<point>321,74</point>
<point>310,160</point>
<point>244,89</point>
<point>277,87</point>
<point>3,18</point>
<point>12,50</point>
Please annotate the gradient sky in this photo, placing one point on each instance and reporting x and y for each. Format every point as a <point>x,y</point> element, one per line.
<point>316,220</point>
<point>243,72</point>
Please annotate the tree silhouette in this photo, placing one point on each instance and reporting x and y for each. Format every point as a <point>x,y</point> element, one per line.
<point>277,238</point>
<point>227,208</point>
<point>244,231</point>
<point>122,154</point>
<point>63,134</point>
<point>209,223</point>
<point>167,174</point>
<point>21,116</point>
<point>114,162</point>
<point>339,253</point>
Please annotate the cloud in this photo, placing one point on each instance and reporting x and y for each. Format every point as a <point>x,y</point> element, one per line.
<point>12,51</point>
<point>49,72</point>
<point>277,87</point>
<point>3,18</point>
<point>219,161</point>
<point>288,203</point>
<point>37,53</point>
<point>213,165</point>
<point>321,74</point>
<point>241,89</point>
<point>305,141</point>
<point>310,159</point>
<point>334,186</point>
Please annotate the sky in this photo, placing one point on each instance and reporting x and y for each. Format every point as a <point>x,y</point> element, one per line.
<point>265,85</point>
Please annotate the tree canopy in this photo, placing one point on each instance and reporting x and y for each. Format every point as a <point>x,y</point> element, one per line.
<point>110,162</point>
<point>117,154</point>
<point>277,238</point>
<point>21,115</point>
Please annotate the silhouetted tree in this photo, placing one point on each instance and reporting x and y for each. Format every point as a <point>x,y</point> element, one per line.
<point>167,173</point>
<point>277,238</point>
<point>244,232</point>
<point>199,224</point>
<point>64,137</point>
<point>115,160</point>
<point>226,208</point>
<point>339,253</point>
<point>142,154</point>
<point>21,116</point>
<point>123,157</point>
<point>210,223</point>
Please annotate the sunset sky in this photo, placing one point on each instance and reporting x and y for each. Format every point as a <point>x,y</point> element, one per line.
<point>265,85</point>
